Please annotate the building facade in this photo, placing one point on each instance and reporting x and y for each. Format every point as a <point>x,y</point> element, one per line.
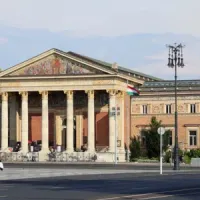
<point>67,100</point>
<point>157,99</point>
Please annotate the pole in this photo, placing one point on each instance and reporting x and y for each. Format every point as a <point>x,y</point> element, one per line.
<point>127,130</point>
<point>176,159</point>
<point>115,130</point>
<point>161,153</point>
<point>127,134</point>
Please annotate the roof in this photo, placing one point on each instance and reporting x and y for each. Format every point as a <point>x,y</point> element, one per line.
<point>171,83</point>
<point>120,68</point>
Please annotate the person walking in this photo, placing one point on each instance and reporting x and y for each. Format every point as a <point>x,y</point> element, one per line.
<point>1,165</point>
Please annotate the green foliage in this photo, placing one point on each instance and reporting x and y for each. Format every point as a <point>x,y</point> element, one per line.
<point>153,139</point>
<point>193,153</point>
<point>167,156</point>
<point>186,159</point>
<point>135,148</point>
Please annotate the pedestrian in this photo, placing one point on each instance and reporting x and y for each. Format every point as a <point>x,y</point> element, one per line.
<point>1,165</point>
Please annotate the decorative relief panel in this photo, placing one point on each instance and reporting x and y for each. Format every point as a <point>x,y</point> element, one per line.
<point>156,109</point>
<point>136,109</point>
<point>181,108</point>
<point>55,65</point>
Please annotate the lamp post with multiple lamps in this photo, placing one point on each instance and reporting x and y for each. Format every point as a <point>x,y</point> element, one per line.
<point>175,60</point>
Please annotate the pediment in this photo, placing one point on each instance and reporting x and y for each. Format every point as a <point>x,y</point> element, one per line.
<point>52,63</point>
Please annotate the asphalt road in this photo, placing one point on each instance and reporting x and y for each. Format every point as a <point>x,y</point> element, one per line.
<point>104,187</point>
<point>74,165</point>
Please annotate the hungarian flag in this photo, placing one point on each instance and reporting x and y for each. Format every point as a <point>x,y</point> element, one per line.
<point>132,91</point>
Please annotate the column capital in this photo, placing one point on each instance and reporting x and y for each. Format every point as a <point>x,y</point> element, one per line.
<point>121,94</point>
<point>24,94</point>
<point>90,94</point>
<point>4,96</point>
<point>44,94</point>
<point>69,94</point>
<point>112,92</point>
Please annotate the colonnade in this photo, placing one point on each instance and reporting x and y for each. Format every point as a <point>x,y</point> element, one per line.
<point>69,122</point>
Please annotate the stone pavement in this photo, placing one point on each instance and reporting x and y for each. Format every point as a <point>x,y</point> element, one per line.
<point>26,173</point>
<point>17,173</point>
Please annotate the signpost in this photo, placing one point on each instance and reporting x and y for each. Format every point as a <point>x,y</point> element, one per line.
<point>161,131</point>
<point>115,112</point>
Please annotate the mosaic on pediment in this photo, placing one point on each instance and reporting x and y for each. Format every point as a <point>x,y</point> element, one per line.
<point>55,65</point>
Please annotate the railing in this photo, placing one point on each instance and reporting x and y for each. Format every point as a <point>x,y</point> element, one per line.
<point>19,157</point>
<point>72,157</point>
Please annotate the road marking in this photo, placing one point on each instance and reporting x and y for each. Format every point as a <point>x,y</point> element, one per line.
<point>3,196</point>
<point>171,195</point>
<point>136,195</point>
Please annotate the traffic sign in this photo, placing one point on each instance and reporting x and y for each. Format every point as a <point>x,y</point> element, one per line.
<point>161,130</point>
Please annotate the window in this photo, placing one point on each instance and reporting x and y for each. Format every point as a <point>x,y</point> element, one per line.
<point>192,108</point>
<point>168,109</point>
<point>170,138</point>
<point>193,138</point>
<point>144,109</point>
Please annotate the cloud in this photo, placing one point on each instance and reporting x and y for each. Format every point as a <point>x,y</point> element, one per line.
<point>157,65</point>
<point>3,40</point>
<point>105,17</point>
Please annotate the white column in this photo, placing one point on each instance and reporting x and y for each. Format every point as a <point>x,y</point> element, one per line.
<point>4,121</point>
<point>45,121</point>
<point>91,126</point>
<point>112,102</point>
<point>70,120</point>
<point>24,129</point>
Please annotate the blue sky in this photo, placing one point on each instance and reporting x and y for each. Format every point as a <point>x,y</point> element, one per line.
<point>131,32</point>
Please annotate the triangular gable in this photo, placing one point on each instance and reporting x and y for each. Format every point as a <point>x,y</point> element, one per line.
<point>53,62</point>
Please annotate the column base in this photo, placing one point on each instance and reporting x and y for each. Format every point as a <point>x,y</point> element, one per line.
<point>110,157</point>
<point>43,155</point>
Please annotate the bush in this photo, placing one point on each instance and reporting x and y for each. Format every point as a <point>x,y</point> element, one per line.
<point>186,159</point>
<point>135,148</point>
<point>167,156</point>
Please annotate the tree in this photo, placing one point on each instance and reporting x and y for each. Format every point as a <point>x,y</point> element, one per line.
<point>153,138</point>
<point>135,148</point>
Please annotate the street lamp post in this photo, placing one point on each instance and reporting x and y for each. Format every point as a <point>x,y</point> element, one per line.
<point>175,60</point>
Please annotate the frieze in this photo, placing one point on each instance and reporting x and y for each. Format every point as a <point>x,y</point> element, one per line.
<point>55,65</point>
<point>134,99</point>
<point>59,100</point>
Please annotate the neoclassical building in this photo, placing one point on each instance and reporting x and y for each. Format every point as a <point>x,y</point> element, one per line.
<point>67,100</point>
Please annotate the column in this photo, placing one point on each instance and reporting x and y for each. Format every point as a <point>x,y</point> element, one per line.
<point>91,126</point>
<point>4,121</point>
<point>12,119</point>
<point>24,125</point>
<point>45,121</point>
<point>121,118</point>
<point>79,130</point>
<point>112,102</point>
<point>58,133</point>
<point>70,120</point>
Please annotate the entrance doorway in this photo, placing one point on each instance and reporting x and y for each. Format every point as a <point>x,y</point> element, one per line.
<point>64,134</point>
